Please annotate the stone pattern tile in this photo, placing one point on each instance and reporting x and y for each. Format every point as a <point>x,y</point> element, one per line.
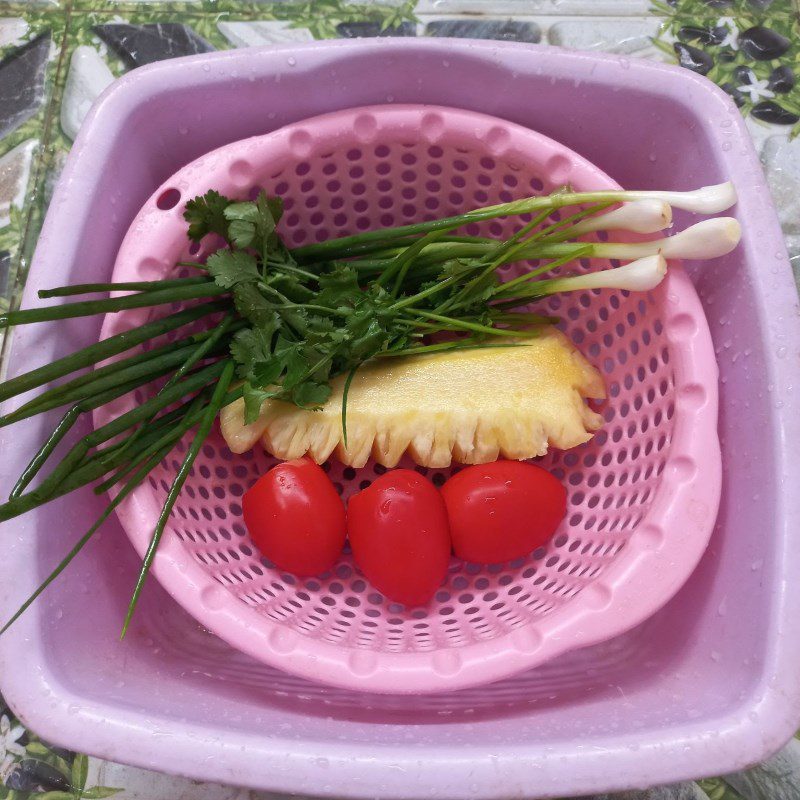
<point>22,75</point>
<point>781,159</point>
<point>511,30</point>
<point>138,45</point>
<point>15,168</point>
<point>261,32</point>
<point>87,77</point>
<point>625,35</point>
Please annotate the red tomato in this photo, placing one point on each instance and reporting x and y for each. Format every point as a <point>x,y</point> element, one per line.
<point>296,518</point>
<point>399,535</point>
<point>503,510</point>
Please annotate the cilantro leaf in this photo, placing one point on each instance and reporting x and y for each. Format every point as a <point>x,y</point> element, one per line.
<point>243,219</point>
<point>253,399</point>
<point>274,206</point>
<point>311,394</point>
<point>232,267</point>
<point>290,287</point>
<point>266,373</point>
<point>206,214</point>
<point>252,305</point>
<point>295,364</point>
<point>455,267</point>
<point>253,346</point>
<point>343,280</point>
<point>252,224</point>
<point>339,289</point>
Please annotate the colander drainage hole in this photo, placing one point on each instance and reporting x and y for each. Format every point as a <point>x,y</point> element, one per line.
<point>168,199</point>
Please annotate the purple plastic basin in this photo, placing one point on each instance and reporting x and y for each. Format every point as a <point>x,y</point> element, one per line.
<point>707,685</point>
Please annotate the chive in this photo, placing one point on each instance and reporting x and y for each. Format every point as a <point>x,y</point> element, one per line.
<point>413,299</point>
<point>145,372</point>
<point>123,459</point>
<point>551,234</point>
<point>60,431</point>
<point>36,463</point>
<point>88,403</point>
<point>400,265</point>
<point>204,429</point>
<point>190,414</point>
<point>103,461</point>
<point>78,387</point>
<point>200,352</point>
<point>469,343</point>
<point>345,393</point>
<point>104,349</point>
<point>50,486</point>
<point>88,307</point>
<point>151,463</point>
<point>460,324</point>
<point>140,286</point>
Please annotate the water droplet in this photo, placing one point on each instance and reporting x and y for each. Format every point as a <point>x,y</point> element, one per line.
<point>722,608</point>
<point>727,145</point>
<point>782,351</point>
<point>183,130</point>
<point>206,67</point>
<point>715,656</point>
<point>291,61</point>
<point>756,565</point>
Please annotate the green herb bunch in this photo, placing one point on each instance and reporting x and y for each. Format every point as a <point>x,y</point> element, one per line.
<point>280,324</point>
<point>314,313</point>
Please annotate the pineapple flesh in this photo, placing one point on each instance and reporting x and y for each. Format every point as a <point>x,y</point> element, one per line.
<point>470,406</point>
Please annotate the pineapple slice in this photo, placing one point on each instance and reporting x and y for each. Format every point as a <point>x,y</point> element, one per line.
<point>470,406</point>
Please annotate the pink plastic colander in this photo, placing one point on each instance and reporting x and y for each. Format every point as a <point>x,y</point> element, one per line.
<point>643,494</point>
